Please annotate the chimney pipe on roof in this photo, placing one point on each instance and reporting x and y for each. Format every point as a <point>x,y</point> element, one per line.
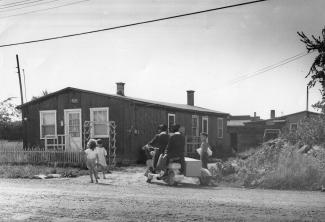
<point>120,88</point>
<point>254,114</point>
<point>272,116</point>
<point>190,97</point>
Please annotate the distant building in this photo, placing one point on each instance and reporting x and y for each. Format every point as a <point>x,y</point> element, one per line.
<point>248,132</point>
<point>71,116</point>
<point>236,130</point>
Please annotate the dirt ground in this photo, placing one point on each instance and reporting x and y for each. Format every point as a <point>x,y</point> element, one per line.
<point>125,196</point>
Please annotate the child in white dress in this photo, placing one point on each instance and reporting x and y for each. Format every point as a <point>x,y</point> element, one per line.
<point>92,159</point>
<point>101,151</point>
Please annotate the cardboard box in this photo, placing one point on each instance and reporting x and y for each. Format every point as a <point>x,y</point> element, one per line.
<point>192,167</point>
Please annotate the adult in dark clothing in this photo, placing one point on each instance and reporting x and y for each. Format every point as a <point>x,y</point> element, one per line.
<point>160,141</point>
<point>175,147</point>
<point>204,156</point>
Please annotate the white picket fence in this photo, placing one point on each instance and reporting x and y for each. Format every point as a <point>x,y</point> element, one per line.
<point>41,157</point>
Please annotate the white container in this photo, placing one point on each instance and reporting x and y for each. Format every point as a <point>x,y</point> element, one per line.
<point>192,167</point>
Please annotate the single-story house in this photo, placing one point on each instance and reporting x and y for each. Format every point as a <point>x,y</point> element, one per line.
<point>251,131</point>
<point>71,116</point>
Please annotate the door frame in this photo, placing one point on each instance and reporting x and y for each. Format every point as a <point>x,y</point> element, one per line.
<point>66,129</point>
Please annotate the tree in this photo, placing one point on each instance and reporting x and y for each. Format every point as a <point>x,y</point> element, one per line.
<point>8,111</point>
<point>10,127</point>
<point>317,70</point>
<point>44,93</point>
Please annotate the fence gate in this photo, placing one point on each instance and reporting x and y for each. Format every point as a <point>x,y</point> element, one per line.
<point>88,127</point>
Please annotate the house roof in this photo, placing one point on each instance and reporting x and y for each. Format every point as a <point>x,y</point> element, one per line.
<point>144,101</point>
<point>242,117</point>
<point>241,120</point>
<point>237,122</point>
<point>282,118</point>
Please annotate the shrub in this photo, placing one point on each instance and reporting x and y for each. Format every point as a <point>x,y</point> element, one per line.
<point>11,130</point>
<point>310,131</point>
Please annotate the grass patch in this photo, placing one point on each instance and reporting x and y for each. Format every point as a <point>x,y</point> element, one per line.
<point>28,171</point>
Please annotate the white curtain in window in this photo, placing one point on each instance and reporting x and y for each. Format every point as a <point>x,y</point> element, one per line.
<point>100,118</point>
<point>48,123</point>
<point>48,118</point>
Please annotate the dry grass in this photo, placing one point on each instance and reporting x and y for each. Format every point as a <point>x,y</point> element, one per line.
<point>278,165</point>
<point>28,171</point>
<point>295,171</point>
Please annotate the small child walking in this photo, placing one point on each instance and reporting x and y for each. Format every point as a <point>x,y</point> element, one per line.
<point>92,159</point>
<point>102,153</point>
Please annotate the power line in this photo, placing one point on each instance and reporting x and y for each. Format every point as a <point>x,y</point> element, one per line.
<point>132,24</point>
<point>15,4</point>
<point>268,68</point>
<point>45,9</point>
<point>40,2</point>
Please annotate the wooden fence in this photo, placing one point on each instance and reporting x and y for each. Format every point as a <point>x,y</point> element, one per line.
<point>42,157</point>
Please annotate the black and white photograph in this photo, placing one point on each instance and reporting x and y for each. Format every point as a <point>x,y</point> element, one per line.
<point>162,110</point>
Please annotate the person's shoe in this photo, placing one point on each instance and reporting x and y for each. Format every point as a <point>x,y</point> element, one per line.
<point>148,181</point>
<point>163,176</point>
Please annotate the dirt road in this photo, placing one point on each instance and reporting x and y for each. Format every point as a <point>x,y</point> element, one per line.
<point>125,196</point>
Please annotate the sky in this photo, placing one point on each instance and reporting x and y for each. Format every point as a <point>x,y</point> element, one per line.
<point>160,61</point>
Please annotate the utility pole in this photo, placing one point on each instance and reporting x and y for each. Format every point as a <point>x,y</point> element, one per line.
<point>307,102</point>
<point>21,88</point>
<point>25,85</point>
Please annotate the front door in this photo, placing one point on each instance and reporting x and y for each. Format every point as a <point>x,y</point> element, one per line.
<point>72,119</point>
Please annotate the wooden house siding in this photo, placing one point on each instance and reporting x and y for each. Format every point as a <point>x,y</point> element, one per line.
<point>136,121</point>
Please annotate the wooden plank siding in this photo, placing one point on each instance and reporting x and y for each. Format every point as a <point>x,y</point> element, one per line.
<point>136,121</point>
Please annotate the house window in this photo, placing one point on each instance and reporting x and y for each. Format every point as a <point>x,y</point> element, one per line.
<point>100,122</point>
<point>195,125</point>
<point>293,127</point>
<point>205,124</point>
<point>220,127</point>
<point>270,134</point>
<point>47,123</point>
<point>171,120</point>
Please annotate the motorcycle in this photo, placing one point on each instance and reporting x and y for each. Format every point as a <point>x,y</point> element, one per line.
<point>173,177</point>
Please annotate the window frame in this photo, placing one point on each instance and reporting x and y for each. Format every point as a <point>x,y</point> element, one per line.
<point>265,131</point>
<point>169,115</point>
<point>203,119</point>
<point>91,116</point>
<point>291,124</point>
<point>197,125</point>
<point>41,123</point>
<point>222,123</point>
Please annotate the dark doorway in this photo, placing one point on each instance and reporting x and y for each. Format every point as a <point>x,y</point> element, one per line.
<point>234,141</point>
